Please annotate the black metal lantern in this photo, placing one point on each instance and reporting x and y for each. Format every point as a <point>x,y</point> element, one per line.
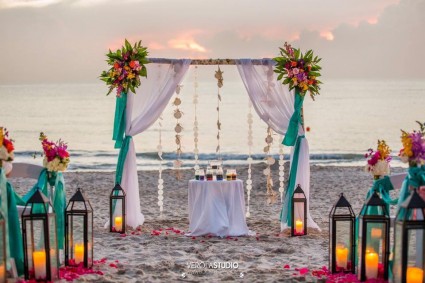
<point>79,231</point>
<point>341,237</point>
<point>2,248</point>
<point>409,241</point>
<point>117,210</point>
<point>374,239</point>
<point>298,213</point>
<point>40,245</point>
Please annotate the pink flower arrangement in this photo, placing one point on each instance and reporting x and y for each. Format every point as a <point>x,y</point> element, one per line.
<point>378,163</point>
<point>56,155</point>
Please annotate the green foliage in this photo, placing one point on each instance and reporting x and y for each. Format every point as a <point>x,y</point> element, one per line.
<point>298,70</point>
<point>127,65</point>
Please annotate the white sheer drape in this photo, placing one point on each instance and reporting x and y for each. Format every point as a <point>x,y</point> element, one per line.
<point>274,103</point>
<point>143,109</point>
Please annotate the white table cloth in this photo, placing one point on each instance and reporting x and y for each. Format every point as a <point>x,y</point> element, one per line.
<point>217,208</point>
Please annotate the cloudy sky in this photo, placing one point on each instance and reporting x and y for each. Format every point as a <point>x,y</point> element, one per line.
<point>64,41</point>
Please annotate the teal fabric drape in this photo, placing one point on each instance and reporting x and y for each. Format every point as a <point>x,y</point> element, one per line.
<point>383,187</point>
<point>121,159</point>
<point>120,165</point>
<point>292,132</point>
<point>119,120</point>
<point>59,204</point>
<point>415,178</point>
<point>13,228</point>
<point>285,213</point>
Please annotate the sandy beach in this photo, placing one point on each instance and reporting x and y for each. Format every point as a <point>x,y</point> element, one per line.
<point>159,252</point>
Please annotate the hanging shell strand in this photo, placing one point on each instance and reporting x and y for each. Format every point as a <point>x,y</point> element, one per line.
<point>249,159</point>
<point>219,76</point>
<point>195,122</point>
<point>271,194</point>
<point>160,180</point>
<point>177,164</point>
<point>281,171</point>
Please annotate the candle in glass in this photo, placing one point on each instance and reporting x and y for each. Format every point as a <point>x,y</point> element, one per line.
<point>341,256</point>
<point>39,258</point>
<point>414,275</point>
<point>299,227</point>
<point>118,223</point>
<point>79,253</point>
<point>371,262</point>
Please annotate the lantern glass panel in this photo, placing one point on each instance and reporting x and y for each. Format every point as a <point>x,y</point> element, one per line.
<point>90,238</point>
<point>415,250</point>
<point>118,217</point>
<point>397,252</point>
<point>299,213</point>
<point>54,259</point>
<point>343,245</point>
<point>76,237</point>
<point>35,244</point>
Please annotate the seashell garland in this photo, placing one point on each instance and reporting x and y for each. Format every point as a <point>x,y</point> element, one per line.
<point>160,180</point>
<point>195,123</point>
<point>249,159</point>
<point>271,194</point>
<point>177,164</point>
<point>219,76</point>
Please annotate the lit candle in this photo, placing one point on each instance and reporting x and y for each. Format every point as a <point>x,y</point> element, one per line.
<point>39,258</point>
<point>118,223</point>
<point>371,265</point>
<point>299,227</point>
<point>2,273</point>
<point>376,233</point>
<point>341,256</point>
<point>79,253</point>
<point>414,275</point>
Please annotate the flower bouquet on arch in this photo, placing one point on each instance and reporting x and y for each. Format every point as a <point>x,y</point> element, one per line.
<point>6,150</point>
<point>127,65</point>
<point>56,156</point>
<point>378,163</point>
<point>300,71</point>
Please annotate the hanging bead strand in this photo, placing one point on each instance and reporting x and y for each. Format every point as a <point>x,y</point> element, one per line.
<point>178,129</point>
<point>281,171</point>
<point>249,181</point>
<point>219,77</point>
<point>271,194</point>
<point>160,180</point>
<point>195,123</point>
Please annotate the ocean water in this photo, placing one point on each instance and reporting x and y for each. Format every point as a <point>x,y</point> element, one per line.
<point>345,120</point>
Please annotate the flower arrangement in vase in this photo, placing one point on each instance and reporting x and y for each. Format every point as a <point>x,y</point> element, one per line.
<point>127,65</point>
<point>56,155</point>
<point>6,147</point>
<point>413,151</point>
<point>298,70</point>
<point>378,163</point>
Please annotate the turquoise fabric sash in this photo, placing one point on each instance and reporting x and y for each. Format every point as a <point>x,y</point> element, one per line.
<point>120,165</point>
<point>415,178</point>
<point>13,228</point>
<point>121,159</point>
<point>285,213</point>
<point>292,132</point>
<point>119,120</point>
<point>382,187</point>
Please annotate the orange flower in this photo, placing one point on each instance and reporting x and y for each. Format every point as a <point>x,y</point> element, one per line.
<point>293,63</point>
<point>116,65</point>
<point>132,64</point>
